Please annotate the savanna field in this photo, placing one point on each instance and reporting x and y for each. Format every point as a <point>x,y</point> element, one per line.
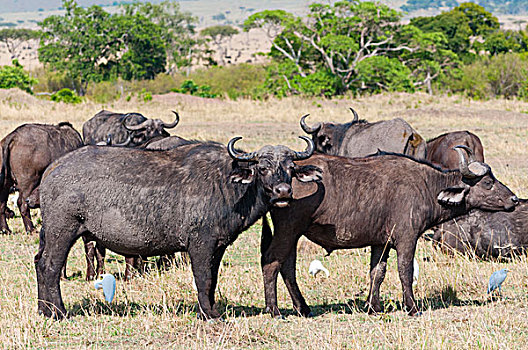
<point>158,310</point>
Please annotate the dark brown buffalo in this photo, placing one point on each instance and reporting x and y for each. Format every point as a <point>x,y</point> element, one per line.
<point>196,198</point>
<point>360,138</point>
<point>382,201</point>
<point>440,149</point>
<point>485,234</point>
<point>26,152</point>
<point>130,129</point>
<point>98,252</point>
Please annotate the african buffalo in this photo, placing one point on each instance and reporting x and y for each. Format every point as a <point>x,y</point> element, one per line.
<point>486,234</point>
<point>360,138</point>
<point>122,126</point>
<point>384,201</point>
<point>26,152</point>
<point>196,198</point>
<point>98,252</point>
<point>440,149</point>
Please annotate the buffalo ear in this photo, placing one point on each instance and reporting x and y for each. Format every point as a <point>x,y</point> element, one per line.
<point>308,173</point>
<point>452,195</point>
<point>242,175</point>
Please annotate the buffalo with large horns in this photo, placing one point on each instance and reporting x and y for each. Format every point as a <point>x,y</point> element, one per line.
<point>385,201</point>
<point>196,198</point>
<point>130,129</point>
<point>440,150</point>
<point>360,138</point>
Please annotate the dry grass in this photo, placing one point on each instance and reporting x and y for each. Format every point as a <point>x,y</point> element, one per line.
<point>158,309</point>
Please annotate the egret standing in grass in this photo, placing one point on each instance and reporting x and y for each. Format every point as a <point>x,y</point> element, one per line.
<point>108,284</point>
<point>496,280</point>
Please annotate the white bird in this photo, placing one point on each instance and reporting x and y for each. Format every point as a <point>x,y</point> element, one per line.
<point>316,266</point>
<point>13,200</point>
<point>416,272</point>
<point>108,284</point>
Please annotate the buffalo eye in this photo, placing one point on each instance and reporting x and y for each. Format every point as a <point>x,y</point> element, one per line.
<point>263,170</point>
<point>487,184</point>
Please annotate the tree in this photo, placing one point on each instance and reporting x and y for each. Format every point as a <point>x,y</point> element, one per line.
<point>15,77</point>
<point>217,34</point>
<point>182,46</point>
<point>84,43</point>
<point>335,37</point>
<point>334,40</point>
<point>14,38</point>
<point>92,45</point>
<point>144,49</point>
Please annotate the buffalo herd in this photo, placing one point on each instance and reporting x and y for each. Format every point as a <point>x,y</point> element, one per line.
<point>131,187</point>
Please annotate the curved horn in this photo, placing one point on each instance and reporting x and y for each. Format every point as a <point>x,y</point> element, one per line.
<point>309,149</point>
<point>124,144</point>
<point>356,117</point>
<point>309,129</point>
<point>174,123</point>
<point>469,152</point>
<point>140,126</point>
<point>249,157</point>
<point>462,163</point>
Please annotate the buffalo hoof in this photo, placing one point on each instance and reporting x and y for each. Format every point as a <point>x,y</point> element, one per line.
<point>215,320</point>
<point>279,317</point>
<point>5,231</point>
<point>273,311</point>
<point>374,310</point>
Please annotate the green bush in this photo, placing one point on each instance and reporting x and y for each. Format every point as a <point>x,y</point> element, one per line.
<point>50,81</point>
<point>503,75</point>
<point>380,73</point>
<point>242,80</point>
<point>66,95</point>
<point>107,91</point>
<point>15,77</point>
<point>190,87</point>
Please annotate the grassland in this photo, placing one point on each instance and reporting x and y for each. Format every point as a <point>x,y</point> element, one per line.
<point>158,310</point>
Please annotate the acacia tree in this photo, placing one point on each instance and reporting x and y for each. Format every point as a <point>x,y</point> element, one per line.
<point>15,38</point>
<point>218,34</point>
<point>338,42</point>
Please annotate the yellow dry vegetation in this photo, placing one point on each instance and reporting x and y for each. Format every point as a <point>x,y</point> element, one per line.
<point>157,310</point>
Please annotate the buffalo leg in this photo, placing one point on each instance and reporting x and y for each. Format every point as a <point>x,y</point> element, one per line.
<point>89,253</point>
<point>25,212</point>
<point>100,254</point>
<point>49,261</point>
<point>204,262</point>
<point>290,279</point>
<point>378,267</point>
<point>4,211</point>
<point>217,259</point>
<point>276,251</point>
<point>130,262</point>
<point>405,269</point>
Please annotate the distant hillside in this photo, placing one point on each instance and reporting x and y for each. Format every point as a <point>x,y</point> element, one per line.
<point>513,7</point>
<point>40,5</point>
<point>27,12</point>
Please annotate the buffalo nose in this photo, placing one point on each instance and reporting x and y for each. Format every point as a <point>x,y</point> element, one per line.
<point>515,200</point>
<point>283,190</point>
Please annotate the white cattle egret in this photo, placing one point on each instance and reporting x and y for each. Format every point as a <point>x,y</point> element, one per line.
<point>315,267</point>
<point>108,284</point>
<point>416,272</point>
